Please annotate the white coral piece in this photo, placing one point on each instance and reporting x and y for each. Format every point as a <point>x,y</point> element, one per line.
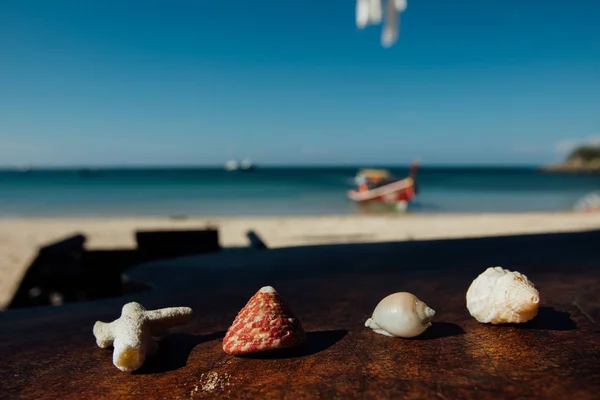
<point>132,334</point>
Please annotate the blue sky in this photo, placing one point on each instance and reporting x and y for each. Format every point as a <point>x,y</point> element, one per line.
<point>117,82</point>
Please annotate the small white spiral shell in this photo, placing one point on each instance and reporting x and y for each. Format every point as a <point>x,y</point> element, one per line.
<point>400,314</point>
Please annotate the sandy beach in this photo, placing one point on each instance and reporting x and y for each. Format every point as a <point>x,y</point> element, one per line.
<point>20,238</point>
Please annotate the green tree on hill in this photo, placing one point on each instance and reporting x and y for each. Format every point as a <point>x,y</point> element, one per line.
<point>585,156</point>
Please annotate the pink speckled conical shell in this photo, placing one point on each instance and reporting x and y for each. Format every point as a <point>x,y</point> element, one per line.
<point>500,296</point>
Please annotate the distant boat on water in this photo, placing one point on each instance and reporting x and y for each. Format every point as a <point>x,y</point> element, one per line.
<point>244,165</point>
<point>588,203</point>
<point>378,188</point>
<point>24,168</point>
<point>232,165</point>
<point>247,165</point>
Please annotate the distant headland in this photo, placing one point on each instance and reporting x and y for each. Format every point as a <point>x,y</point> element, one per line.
<point>583,159</point>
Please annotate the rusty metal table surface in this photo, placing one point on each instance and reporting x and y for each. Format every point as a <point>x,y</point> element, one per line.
<point>50,352</point>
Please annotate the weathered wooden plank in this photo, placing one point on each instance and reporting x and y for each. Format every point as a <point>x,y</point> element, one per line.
<point>50,352</point>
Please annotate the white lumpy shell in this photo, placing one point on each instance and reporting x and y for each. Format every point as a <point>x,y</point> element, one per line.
<point>500,296</point>
<point>400,314</point>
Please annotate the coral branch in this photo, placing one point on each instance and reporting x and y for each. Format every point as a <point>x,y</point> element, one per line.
<point>132,334</point>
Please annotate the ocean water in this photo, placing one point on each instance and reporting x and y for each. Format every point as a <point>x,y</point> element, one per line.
<point>274,191</point>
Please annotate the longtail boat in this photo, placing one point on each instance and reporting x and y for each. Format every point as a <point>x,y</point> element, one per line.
<point>378,187</point>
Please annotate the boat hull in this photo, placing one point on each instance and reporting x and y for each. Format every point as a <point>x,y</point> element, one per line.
<point>399,192</point>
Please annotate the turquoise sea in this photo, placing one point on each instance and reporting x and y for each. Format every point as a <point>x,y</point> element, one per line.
<point>273,191</point>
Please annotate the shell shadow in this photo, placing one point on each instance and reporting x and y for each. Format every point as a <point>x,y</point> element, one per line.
<point>315,343</point>
<point>550,319</point>
<point>173,352</point>
<point>439,330</point>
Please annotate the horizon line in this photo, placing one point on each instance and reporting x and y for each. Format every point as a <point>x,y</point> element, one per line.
<point>259,166</point>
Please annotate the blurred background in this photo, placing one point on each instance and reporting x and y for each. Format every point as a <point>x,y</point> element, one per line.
<point>122,115</point>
